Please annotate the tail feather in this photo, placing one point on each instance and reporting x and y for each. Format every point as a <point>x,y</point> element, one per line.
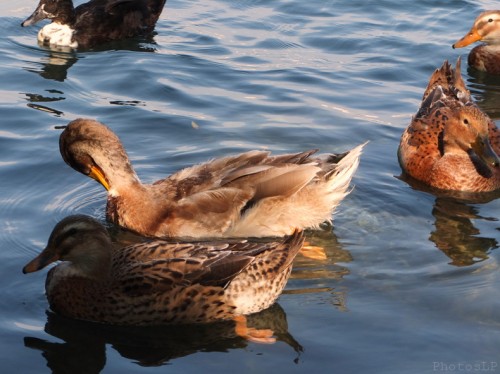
<point>346,167</point>
<point>340,178</point>
<point>451,82</point>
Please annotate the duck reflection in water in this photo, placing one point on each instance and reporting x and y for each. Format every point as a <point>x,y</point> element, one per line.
<point>315,275</point>
<point>54,65</point>
<point>456,235</point>
<point>83,349</point>
<point>56,62</point>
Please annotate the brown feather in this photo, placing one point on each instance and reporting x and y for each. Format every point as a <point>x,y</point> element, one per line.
<point>250,194</point>
<point>160,282</point>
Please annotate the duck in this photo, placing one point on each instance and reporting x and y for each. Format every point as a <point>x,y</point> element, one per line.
<point>486,28</point>
<point>450,144</point>
<point>94,22</point>
<point>252,194</point>
<point>159,282</point>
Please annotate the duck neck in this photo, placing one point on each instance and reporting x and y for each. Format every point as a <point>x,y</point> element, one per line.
<point>66,14</point>
<point>118,173</point>
<point>134,208</point>
<point>92,262</point>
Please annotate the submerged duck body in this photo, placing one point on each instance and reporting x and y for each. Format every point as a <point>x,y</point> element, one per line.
<point>159,282</point>
<point>450,143</point>
<point>486,28</point>
<point>94,22</point>
<point>252,194</point>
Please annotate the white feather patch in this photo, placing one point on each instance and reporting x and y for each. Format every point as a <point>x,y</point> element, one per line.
<point>57,34</point>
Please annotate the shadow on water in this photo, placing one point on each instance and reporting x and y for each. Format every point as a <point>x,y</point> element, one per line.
<point>83,349</point>
<point>455,234</point>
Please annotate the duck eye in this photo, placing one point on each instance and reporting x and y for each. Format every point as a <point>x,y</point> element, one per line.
<point>466,121</point>
<point>60,239</point>
<point>490,20</point>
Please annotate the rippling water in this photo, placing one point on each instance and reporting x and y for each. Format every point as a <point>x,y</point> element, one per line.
<point>411,280</point>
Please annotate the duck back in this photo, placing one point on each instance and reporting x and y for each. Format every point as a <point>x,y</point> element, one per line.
<point>101,21</point>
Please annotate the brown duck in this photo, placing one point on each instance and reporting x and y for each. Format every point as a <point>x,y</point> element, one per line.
<point>450,143</point>
<point>160,282</point>
<point>252,194</point>
<point>486,28</point>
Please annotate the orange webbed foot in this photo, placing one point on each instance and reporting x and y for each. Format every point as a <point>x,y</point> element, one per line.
<point>261,336</point>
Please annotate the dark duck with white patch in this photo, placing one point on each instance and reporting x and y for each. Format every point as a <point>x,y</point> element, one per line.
<point>95,22</point>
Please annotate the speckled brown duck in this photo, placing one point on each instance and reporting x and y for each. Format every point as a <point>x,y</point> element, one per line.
<point>450,143</point>
<point>160,282</point>
<point>252,194</point>
<point>94,22</point>
<point>486,28</point>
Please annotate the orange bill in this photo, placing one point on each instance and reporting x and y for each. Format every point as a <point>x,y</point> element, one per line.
<point>97,173</point>
<point>471,37</point>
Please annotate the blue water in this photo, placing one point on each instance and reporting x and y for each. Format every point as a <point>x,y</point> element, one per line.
<point>410,283</point>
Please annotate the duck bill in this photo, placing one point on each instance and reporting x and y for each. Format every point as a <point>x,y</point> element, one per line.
<point>482,148</point>
<point>38,15</point>
<point>471,37</point>
<point>97,174</point>
<point>39,262</point>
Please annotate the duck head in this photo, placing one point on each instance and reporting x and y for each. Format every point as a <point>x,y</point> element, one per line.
<point>80,240</point>
<point>486,28</point>
<point>61,11</point>
<point>94,150</point>
<point>467,131</point>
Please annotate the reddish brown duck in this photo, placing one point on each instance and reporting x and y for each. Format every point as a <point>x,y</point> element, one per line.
<point>159,282</point>
<point>450,143</point>
<point>252,194</point>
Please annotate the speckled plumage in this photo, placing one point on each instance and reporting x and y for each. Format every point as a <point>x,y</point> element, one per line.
<point>94,22</point>
<point>486,28</point>
<point>450,143</point>
<point>250,194</point>
<point>160,282</point>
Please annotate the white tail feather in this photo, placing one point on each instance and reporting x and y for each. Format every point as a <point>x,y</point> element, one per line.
<point>340,180</point>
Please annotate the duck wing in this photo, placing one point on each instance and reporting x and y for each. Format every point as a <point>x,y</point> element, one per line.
<point>218,192</point>
<point>206,264</point>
